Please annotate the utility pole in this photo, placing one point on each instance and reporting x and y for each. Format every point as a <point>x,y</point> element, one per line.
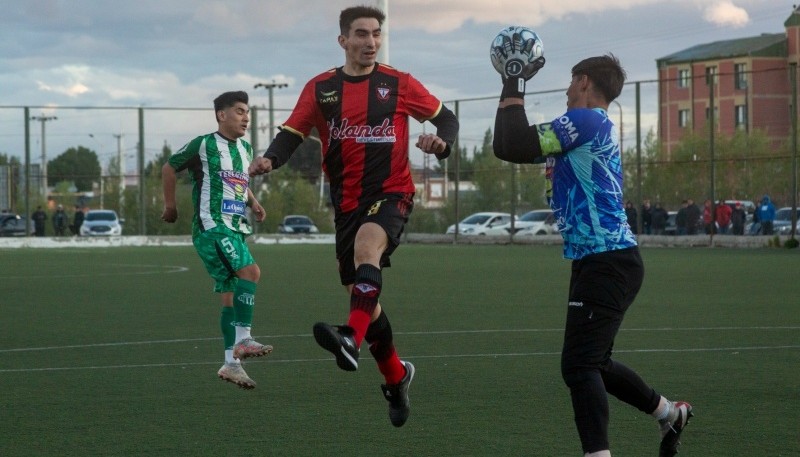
<point>271,86</point>
<point>43,119</point>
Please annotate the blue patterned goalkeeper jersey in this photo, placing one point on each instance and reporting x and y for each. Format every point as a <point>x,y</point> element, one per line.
<point>584,172</point>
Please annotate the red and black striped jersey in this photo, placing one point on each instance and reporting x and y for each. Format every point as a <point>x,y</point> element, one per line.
<point>363,125</point>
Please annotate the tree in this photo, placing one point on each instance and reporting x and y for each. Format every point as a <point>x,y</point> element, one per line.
<point>79,165</point>
<point>153,168</point>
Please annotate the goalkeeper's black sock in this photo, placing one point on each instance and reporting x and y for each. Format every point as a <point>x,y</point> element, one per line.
<point>514,87</point>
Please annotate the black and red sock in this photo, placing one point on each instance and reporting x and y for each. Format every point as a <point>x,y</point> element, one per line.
<point>364,299</point>
<point>381,346</point>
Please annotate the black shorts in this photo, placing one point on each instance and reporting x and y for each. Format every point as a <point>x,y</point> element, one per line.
<point>601,289</point>
<point>390,211</point>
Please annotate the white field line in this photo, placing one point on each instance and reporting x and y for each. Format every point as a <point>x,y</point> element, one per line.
<point>434,332</point>
<point>442,356</point>
<point>156,270</point>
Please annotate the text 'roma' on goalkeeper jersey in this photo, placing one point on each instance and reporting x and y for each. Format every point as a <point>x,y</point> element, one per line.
<point>218,168</point>
<point>363,125</point>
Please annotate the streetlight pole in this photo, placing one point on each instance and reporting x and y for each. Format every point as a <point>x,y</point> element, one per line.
<point>43,119</point>
<point>271,86</point>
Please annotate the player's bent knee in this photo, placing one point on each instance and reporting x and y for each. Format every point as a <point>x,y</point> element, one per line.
<point>250,273</point>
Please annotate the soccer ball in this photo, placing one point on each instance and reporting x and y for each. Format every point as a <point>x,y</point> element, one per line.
<point>517,52</point>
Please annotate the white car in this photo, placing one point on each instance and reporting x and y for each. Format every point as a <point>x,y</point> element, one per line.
<point>487,223</point>
<point>101,222</point>
<point>536,222</point>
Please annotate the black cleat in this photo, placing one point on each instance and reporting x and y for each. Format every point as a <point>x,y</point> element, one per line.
<point>338,339</point>
<point>671,432</point>
<point>397,395</point>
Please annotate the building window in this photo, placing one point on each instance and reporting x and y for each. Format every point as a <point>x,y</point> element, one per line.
<point>683,78</point>
<point>740,116</point>
<point>711,75</point>
<point>683,118</point>
<point>740,76</point>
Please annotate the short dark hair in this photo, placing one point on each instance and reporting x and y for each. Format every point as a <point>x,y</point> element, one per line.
<point>229,99</point>
<point>349,15</point>
<point>605,72</point>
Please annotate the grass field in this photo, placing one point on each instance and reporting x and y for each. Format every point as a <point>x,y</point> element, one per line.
<point>114,351</point>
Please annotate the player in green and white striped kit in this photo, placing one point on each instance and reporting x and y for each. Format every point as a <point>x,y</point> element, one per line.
<point>217,163</point>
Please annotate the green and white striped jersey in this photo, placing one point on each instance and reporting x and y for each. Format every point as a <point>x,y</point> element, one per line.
<point>218,168</point>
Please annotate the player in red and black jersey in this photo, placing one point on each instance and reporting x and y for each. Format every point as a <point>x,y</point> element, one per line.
<point>361,111</point>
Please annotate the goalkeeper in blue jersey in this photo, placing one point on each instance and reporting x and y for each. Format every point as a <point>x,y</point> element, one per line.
<point>217,164</point>
<point>584,173</point>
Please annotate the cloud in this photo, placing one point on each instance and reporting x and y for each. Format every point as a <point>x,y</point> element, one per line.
<point>449,15</point>
<point>724,13</point>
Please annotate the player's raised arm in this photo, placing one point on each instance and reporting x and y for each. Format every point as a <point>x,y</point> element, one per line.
<point>517,54</point>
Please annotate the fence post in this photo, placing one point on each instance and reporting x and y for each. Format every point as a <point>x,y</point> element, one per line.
<point>711,133</point>
<point>457,148</point>
<point>27,171</point>
<point>142,212</point>
<point>639,155</point>
<point>793,79</point>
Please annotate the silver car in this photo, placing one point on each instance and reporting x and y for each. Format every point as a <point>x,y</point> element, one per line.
<point>101,222</point>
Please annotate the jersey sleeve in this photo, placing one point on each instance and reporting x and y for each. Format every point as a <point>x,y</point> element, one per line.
<point>569,131</point>
<point>422,105</point>
<point>183,158</point>
<point>301,121</point>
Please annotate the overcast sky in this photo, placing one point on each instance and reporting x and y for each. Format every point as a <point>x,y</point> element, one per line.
<point>182,53</point>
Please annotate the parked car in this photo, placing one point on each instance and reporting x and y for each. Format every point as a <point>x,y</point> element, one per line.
<point>13,225</point>
<point>101,222</point>
<point>297,224</point>
<point>536,222</point>
<point>783,222</point>
<point>486,223</point>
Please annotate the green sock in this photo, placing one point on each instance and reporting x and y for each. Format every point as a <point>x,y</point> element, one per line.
<point>243,302</point>
<point>226,325</point>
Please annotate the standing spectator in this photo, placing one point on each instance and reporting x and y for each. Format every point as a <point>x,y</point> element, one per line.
<point>766,215</point>
<point>708,217</point>
<point>738,218</point>
<point>630,214</point>
<point>658,219</point>
<point>755,227</point>
<point>59,221</point>
<point>647,217</point>
<point>723,217</point>
<point>39,218</point>
<point>77,221</point>
<point>680,219</point>
<point>362,116</point>
<point>692,217</point>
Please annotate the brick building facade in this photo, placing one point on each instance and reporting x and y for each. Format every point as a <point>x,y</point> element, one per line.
<point>751,85</point>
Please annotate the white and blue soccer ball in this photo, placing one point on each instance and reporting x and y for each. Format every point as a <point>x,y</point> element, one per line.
<point>517,52</point>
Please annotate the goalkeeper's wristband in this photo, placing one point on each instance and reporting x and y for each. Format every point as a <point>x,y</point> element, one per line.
<point>514,87</point>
